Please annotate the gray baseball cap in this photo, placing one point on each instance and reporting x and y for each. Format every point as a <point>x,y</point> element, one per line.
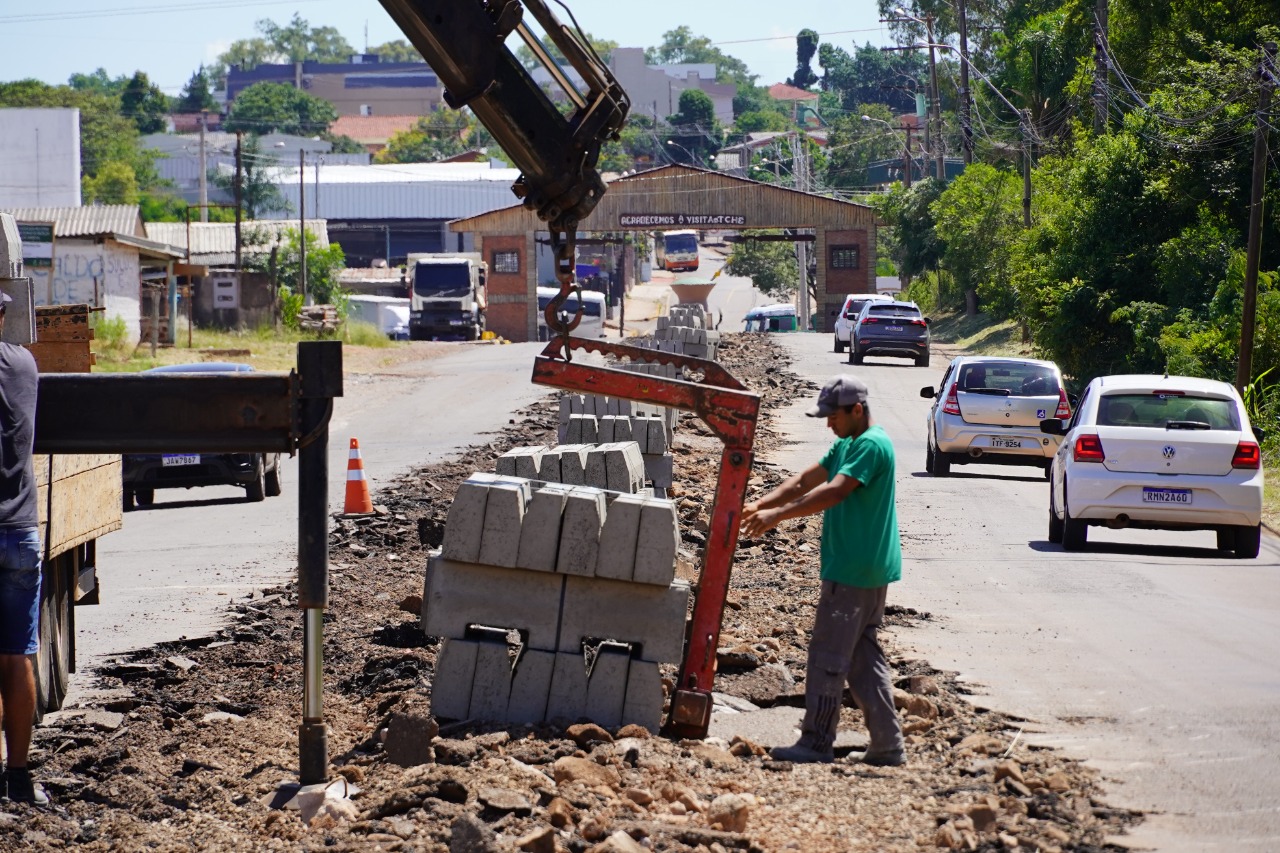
<point>840,391</point>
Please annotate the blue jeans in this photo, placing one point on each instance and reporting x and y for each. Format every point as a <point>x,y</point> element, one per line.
<point>19,591</point>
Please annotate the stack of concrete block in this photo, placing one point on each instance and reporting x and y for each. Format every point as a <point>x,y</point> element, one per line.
<point>618,466</point>
<point>590,591</point>
<point>650,427</point>
<point>685,330</point>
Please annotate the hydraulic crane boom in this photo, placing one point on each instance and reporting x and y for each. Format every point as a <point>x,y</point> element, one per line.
<point>462,41</point>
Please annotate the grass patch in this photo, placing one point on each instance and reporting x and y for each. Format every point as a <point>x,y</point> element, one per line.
<point>263,347</point>
<point>979,335</point>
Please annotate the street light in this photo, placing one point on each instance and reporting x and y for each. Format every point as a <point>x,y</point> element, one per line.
<point>940,164</point>
<point>906,148</point>
<point>693,158</point>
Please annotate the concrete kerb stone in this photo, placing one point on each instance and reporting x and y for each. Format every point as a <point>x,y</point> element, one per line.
<point>540,530</point>
<point>491,683</point>
<point>567,697</point>
<point>659,469</point>
<point>464,527</point>
<point>531,686</point>
<point>649,616</point>
<point>657,540</point>
<point>618,538</point>
<point>457,595</point>
<point>454,675</point>
<point>584,514</point>
<point>643,702</point>
<point>503,518</point>
<point>607,685</point>
<point>573,463</point>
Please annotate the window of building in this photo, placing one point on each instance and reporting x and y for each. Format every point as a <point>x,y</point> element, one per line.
<point>506,262</point>
<point>844,257</point>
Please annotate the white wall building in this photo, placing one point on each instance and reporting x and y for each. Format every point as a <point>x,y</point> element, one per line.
<point>39,157</point>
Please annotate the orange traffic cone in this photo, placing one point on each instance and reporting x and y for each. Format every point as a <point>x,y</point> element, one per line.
<point>358,500</point>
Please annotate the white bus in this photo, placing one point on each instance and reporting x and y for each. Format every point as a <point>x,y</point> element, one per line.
<point>677,251</point>
<point>592,325</point>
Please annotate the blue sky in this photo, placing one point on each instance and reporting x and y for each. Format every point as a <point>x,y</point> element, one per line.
<point>168,39</point>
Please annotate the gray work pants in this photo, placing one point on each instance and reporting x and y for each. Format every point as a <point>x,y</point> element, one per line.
<point>844,648</point>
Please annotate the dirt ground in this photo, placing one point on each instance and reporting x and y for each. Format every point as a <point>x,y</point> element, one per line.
<point>187,744</point>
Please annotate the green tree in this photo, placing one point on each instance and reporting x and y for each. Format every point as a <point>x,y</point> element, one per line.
<point>681,45</point>
<point>98,83</point>
<point>854,144</point>
<point>771,266</point>
<point>343,144</point>
<point>806,47</point>
<point>279,108</point>
<point>115,183</point>
<point>397,51</point>
<point>761,121</point>
<point>979,217</point>
<point>915,245</point>
<point>258,191</point>
<point>144,103</point>
<point>323,267</point>
<point>872,76</point>
<point>436,136</point>
<point>296,41</point>
<point>696,133</point>
<point>196,95</point>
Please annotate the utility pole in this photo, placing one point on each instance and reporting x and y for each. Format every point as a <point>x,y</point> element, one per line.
<point>802,248</point>
<point>239,198</point>
<point>1101,106</point>
<point>966,125</point>
<point>940,168</point>
<point>906,157</point>
<point>1266,75</point>
<point>204,178</point>
<point>302,223</point>
<point>1026,167</point>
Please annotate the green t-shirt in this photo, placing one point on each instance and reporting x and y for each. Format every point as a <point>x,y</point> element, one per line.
<point>860,544</point>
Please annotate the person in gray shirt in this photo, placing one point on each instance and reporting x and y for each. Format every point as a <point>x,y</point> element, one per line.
<point>19,566</point>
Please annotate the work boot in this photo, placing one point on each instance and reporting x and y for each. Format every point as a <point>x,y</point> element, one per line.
<point>23,790</point>
<point>802,753</point>
<point>893,758</point>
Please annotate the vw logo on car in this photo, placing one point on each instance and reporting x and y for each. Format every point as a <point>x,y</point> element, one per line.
<point>1169,451</point>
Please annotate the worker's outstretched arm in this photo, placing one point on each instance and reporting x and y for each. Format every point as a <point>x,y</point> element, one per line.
<point>799,495</point>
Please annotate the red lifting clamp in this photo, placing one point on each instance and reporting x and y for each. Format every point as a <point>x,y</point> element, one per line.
<point>730,410</point>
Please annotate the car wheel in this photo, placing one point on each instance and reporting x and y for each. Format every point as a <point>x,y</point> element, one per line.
<point>922,360</point>
<point>1055,523</point>
<point>855,354</point>
<point>145,497</point>
<point>257,490</point>
<point>57,635</point>
<point>1226,538</point>
<point>272,479</point>
<point>839,346</point>
<point>1075,533</point>
<point>929,458</point>
<point>1248,541</point>
<point>128,500</point>
<point>941,463</point>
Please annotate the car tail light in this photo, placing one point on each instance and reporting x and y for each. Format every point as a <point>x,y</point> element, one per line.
<point>952,404</point>
<point>869,320</point>
<point>1247,455</point>
<point>1088,448</point>
<point>1064,408</point>
<point>917,322</point>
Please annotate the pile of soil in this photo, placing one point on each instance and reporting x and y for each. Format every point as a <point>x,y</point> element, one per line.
<point>187,744</point>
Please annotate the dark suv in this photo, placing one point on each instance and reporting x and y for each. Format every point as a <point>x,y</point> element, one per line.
<point>257,473</point>
<point>890,328</point>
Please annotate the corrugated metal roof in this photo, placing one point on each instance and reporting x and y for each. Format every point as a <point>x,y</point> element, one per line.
<point>218,239</point>
<point>400,191</point>
<point>95,220</point>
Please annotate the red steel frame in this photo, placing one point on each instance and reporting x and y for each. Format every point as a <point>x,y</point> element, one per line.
<point>730,410</point>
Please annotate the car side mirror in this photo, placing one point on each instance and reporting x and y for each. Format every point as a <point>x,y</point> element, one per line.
<point>1260,434</point>
<point>928,322</point>
<point>927,392</point>
<point>1053,426</point>
<point>1074,400</point>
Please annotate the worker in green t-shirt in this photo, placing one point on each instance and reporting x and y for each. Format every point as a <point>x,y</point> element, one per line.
<point>853,487</point>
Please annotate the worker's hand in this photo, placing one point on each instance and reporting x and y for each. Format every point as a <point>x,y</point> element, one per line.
<point>759,522</point>
<point>750,509</point>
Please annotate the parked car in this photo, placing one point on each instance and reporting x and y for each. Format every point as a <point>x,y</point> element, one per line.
<point>1164,452</point>
<point>593,311</point>
<point>890,328</point>
<point>988,410</point>
<point>848,315</point>
<point>771,318</point>
<point>257,473</point>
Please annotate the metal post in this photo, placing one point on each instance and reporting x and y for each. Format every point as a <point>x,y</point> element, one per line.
<point>320,375</point>
<point>907,165</point>
<point>1244,369</point>
<point>966,125</point>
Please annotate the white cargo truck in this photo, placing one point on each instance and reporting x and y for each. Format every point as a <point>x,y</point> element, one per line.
<point>447,296</point>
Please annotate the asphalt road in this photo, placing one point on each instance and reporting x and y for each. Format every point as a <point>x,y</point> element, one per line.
<point>170,571</point>
<point>1149,654</point>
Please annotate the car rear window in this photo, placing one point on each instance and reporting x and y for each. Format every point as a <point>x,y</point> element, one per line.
<point>892,309</point>
<point>1168,411</point>
<point>1012,378</point>
<point>854,308</point>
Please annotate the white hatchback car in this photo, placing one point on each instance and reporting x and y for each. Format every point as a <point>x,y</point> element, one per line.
<point>987,410</point>
<point>1163,452</point>
<point>848,315</point>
